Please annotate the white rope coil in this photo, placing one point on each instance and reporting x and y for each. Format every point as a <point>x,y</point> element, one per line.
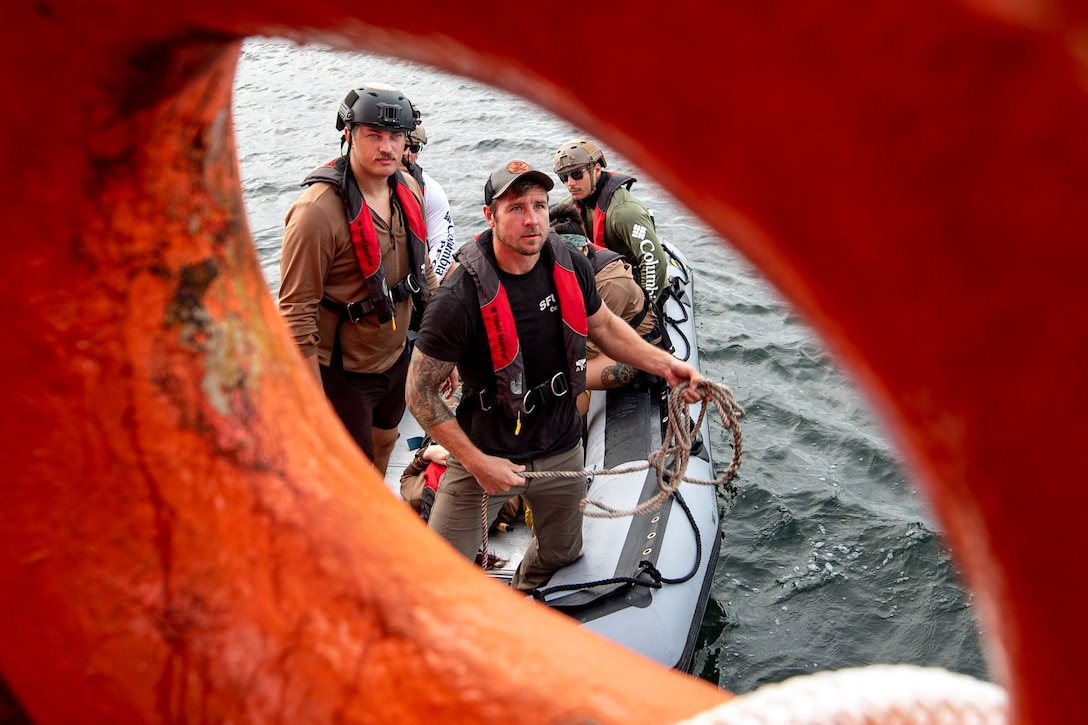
<point>884,694</point>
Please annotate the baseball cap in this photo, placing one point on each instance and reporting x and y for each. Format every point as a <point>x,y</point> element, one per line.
<point>503,177</point>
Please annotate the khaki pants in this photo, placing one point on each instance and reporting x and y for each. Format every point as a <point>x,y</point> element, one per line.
<point>557,520</point>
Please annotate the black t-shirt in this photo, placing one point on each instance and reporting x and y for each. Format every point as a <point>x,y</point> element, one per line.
<point>453,331</point>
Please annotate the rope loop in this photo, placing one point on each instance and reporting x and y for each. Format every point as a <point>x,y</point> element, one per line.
<point>670,461</point>
<point>675,446</point>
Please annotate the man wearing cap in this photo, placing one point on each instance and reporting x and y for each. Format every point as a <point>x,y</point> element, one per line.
<point>514,318</point>
<point>353,266</point>
<point>614,217</point>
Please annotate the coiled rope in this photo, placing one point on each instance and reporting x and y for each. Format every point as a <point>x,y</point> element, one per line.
<point>670,460</point>
<point>676,446</point>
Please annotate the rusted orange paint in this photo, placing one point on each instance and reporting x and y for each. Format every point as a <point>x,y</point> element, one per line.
<point>185,538</point>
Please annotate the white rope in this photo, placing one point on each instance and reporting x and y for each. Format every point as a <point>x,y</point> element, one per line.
<point>884,694</point>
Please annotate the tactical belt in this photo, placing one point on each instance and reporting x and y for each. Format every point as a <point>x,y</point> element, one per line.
<point>356,310</point>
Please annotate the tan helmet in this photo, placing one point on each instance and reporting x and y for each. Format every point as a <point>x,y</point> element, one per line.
<point>418,135</point>
<point>577,153</point>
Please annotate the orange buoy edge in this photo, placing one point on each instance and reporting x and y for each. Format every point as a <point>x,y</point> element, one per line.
<point>185,537</point>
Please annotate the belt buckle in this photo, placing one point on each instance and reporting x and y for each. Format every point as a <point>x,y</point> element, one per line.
<point>354,312</point>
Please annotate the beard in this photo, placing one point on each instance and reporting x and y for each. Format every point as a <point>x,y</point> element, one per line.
<point>526,249</point>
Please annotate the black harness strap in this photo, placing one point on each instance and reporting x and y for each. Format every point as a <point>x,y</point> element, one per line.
<point>556,386</point>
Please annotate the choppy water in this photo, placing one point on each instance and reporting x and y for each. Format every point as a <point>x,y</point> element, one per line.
<point>830,559</point>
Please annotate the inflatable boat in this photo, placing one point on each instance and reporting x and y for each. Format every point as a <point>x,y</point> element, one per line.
<point>643,580</point>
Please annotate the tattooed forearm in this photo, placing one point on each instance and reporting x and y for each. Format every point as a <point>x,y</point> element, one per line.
<point>619,374</point>
<point>425,377</point>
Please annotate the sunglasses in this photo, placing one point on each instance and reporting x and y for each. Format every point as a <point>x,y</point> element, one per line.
<point>414,148</point>
<point>576,175</point>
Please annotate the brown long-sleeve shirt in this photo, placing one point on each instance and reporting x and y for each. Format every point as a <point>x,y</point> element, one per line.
<point>319,260</point>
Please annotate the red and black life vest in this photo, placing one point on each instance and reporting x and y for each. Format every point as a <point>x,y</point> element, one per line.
<point>610,183</point>
<point>502,334</point>
<point>381,299</point>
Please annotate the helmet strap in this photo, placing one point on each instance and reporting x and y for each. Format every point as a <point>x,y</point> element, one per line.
<point>345,140</point>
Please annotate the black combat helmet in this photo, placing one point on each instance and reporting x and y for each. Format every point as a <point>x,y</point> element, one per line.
<point>377,106</point>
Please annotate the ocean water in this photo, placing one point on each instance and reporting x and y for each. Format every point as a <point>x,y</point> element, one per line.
<point>830,558</point>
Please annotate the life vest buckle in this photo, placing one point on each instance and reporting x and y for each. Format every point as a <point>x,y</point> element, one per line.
<point>358,309</point>
<point>407,287</point>
<point>558,386</point>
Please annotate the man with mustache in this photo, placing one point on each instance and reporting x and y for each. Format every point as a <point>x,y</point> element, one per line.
<point>353,265</point>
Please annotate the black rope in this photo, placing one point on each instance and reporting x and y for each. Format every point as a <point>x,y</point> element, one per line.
<point>645,567</point>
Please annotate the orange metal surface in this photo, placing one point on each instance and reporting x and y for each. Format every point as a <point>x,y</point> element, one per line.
<point>186,538</point>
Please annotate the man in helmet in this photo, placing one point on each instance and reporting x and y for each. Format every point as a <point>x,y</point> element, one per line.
<point>441,234</point>
<point>354,263</point>
<point>514,317</point>
<point>615,218</point>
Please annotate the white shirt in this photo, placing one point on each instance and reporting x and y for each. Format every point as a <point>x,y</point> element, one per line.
<point>441,236</point>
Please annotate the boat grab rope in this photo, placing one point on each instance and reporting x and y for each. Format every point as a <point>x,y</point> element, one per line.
<point>647,575</point>
<point>670,461</point>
